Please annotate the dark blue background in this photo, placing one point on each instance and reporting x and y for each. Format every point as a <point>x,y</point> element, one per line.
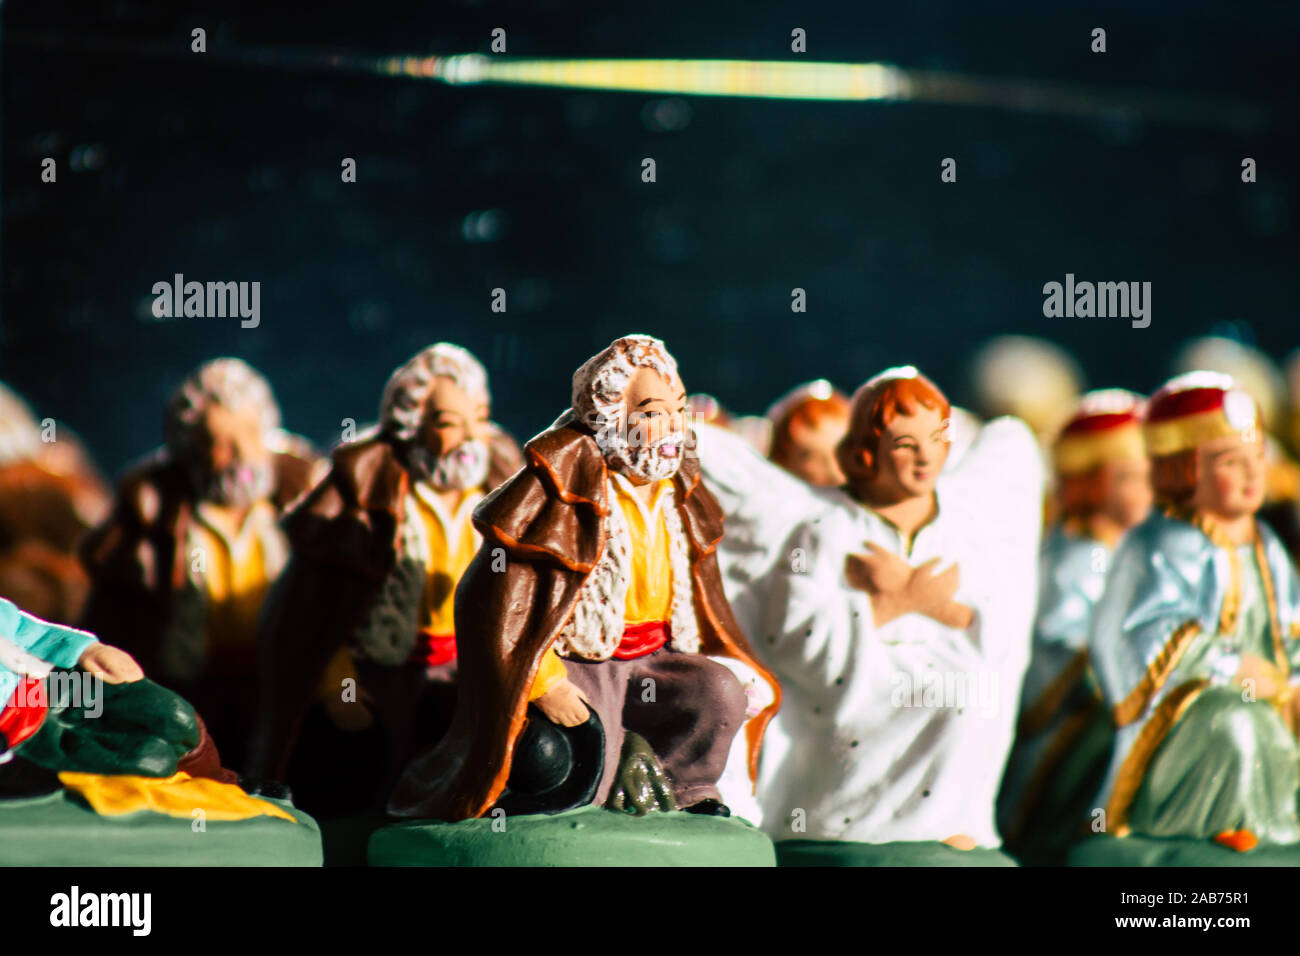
<point>230,171</point>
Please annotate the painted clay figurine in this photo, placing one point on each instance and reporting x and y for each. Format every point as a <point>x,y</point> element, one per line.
<point>1260,377</point>
<point>1196,636</point>
<point>1028,378</point>
<point>585,619</point>
<point>807,425</point>
<point>378,549</point>
<point>897,614</point>
<point>142,729</point>
<point>85,737</point>
<point>181,567</point>
<point>1065,733</point>
<point>50,496</point>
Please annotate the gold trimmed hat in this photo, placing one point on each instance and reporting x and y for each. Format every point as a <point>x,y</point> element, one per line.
<point>1106,426</point>
<point>1198,407</point>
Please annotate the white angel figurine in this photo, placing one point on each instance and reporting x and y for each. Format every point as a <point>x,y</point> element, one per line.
<point>896,611</point>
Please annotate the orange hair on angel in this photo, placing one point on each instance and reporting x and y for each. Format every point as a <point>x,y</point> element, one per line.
<point>875,405</point>
<point>808,414</point>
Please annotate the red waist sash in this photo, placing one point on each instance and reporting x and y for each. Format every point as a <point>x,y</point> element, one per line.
<point>24,713</point>
<point>434,650</point>
<point>642,639</point>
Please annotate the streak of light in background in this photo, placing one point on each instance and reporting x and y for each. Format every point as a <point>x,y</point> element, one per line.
<point>763,79</point>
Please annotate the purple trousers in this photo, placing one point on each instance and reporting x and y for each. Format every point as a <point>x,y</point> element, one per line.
<point>687,707</point>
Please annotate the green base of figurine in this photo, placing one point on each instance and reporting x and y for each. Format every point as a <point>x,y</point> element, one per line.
<point>1155,851</point>
<point>590,836</point>
<point>59,830</point>
<point>921,853</point>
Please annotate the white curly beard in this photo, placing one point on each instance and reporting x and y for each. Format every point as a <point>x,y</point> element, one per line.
<point>461,468</point>
<point>237,486</point>
<point>647,462</point>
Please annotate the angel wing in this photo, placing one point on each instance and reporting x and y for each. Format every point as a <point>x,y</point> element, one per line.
<point>1001,468</point>
<point>763,504</point>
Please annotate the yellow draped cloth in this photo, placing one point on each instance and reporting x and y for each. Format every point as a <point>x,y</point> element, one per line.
<point>176,796</point>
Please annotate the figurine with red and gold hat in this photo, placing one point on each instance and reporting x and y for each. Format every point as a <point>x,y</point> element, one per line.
<point>1196,637</point>
<point>1065,734</point>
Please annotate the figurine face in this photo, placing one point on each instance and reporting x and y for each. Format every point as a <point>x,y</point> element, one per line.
<point>452,449</point>
<point>1230,475</point>
<point>911,453</point>
<point>810,453</point>
<point>233,466</point>
<point>654,436</point>
<point>1126,491</point>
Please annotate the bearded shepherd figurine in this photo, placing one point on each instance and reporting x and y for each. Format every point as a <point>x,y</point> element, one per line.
<point>362,622</point>
<point>180,569</point>
<point>585,621</point>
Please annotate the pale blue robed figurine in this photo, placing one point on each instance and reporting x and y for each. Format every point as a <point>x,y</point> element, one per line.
<point>1065,733</point>
<point>1197,636</point>
<point>117,723</point>
<point>30,647</point>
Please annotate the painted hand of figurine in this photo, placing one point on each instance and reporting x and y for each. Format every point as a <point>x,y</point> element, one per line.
<point>896,588</point>
<point>1267,679</point>
<point>112,664</point>
<point>936,593</point>
<point>879,572</point>
<point>564,704</point>
<point>885,577</point>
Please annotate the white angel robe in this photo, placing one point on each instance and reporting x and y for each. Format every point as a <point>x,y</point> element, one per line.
<point>898,733</point>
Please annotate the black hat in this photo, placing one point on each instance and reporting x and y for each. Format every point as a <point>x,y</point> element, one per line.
<point>21,778</point>
<point>555,768</point>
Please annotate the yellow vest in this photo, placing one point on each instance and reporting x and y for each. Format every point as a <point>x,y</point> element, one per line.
<point>650,590</point>
<point>453,542</point>
<point>234,577</point>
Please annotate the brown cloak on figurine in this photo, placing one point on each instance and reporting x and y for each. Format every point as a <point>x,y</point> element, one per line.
<point>543,534</point>
<point>346,537</point>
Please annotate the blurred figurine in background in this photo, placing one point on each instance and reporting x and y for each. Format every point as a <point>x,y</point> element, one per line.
<point>1028,378</point>
<point>1283,514</point>
<point>50,496</point>
<point>1252,371</point>
<point>807,425</point>
<point>756,430</point>
<point>587,618</point>
<point>1259,377</point>
<point>1065,734</point>
<point>362,622</point>
<point>1291,431</point>
<point>180,569</point>
<point>1196,635</point>
<point>706,410</point>
<point>703,407</point>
